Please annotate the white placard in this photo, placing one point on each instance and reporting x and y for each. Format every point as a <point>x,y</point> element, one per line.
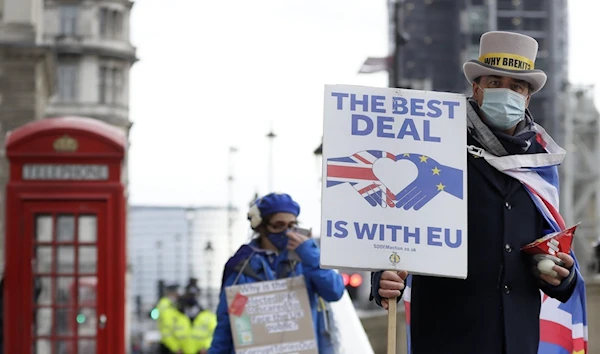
<point>394,180</point>
<point>271,317</point>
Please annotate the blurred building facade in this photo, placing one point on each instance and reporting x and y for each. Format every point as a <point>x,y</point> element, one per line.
<point>27,70</point>
<point>438,36</point>
<point>94,54</point>
<point>175,243</point>
<point>580,173</point>
<point>63,58</point>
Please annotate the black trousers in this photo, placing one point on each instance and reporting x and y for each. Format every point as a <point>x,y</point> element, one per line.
<point>162,349</point>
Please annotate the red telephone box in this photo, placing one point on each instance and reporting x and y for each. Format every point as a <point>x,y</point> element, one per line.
<point>64,285</point>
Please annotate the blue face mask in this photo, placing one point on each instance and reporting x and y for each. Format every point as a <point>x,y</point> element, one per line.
<point>279,240</point>
<point>503,108</point>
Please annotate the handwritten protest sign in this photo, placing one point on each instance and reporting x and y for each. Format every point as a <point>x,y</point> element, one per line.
<point>271,317</point>
<point>394,180</point>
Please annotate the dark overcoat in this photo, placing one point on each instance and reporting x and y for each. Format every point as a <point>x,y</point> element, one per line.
<point>496,309</point>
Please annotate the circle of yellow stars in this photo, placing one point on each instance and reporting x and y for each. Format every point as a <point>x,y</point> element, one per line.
<point>435,170</point>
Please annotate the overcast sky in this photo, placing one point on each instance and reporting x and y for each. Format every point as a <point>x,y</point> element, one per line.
<point>215,74</point>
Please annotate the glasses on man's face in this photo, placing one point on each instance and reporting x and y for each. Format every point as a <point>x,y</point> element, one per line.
<point>279,226</point>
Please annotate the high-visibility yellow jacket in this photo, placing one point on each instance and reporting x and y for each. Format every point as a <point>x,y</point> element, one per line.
<point>169,324</point>
<point>164,303</point>
<point>196,335</point>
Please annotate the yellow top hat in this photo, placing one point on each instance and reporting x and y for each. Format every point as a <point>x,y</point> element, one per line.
<point>507,54</point>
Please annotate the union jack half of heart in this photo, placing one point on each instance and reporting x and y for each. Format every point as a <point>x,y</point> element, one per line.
<point>432,179</point>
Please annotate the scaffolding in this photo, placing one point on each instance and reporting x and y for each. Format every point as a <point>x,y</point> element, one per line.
<point>580,172</point>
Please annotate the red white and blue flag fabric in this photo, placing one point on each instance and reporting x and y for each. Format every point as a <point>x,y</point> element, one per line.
<point>563,326</point>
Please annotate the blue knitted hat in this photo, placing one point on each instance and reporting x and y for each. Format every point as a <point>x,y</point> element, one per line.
<point>271,204</point>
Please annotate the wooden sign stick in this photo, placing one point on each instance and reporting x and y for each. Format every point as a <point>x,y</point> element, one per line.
<point>391,333</point>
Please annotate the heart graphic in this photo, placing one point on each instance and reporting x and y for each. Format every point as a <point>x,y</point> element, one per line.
<point>395,175</point>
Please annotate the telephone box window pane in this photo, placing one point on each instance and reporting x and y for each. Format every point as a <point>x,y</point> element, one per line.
<point>87,346</point>
<point>43,346</point>
<point>42,321</point>
<point>44,287</point>
<point>87,291</point>
<point>87,259</point>
<point>65,259</point>
<point>43,259</point>
<point>86,322</point>
<point>43,228</point>
<point>64,291</point>
<point>64,322</point>
<point>64,347</point>
<point>87,228</point>
<point>65,227</point>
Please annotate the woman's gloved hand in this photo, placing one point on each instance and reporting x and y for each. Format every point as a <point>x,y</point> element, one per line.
<point>295,239</point>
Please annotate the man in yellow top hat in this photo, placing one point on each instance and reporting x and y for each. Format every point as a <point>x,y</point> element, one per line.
<point>496,309</point>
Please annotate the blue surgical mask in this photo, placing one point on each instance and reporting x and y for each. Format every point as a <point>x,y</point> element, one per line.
<point>279,240</point>
<point>503,108</point>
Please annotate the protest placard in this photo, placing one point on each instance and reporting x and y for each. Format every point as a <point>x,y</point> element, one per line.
<point>271,317</point>
<point>394,180</point>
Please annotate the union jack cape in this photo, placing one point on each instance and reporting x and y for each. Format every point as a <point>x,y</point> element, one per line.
<point>563,326</point>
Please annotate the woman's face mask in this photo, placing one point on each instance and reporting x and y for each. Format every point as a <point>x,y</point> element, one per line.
<point>278,228</point>
<point>279,239</point>
<point>503,108</point>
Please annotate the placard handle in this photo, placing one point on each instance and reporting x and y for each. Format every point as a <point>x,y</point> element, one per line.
<point>391,327</point>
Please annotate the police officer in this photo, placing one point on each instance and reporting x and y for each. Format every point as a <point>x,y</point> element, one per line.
<point>192,287</point>
<point>197,325</point>
<point>168,325</point>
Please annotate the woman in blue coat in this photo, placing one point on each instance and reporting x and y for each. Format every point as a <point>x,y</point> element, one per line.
<point>273,218</point>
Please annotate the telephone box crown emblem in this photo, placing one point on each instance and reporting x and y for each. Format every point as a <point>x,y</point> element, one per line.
<point>65,144</point>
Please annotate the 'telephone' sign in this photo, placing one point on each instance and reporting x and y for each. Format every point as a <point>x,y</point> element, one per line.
<point>65,172</point>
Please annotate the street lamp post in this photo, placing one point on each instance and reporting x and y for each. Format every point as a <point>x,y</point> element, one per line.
<point>400,38</point>
<point>159,274</point>
<point>270,137</point>
<point>230,179</point>
<point>140,281</point>
<point>190,216</point>
<point>319,154</point>
<point>159,260</point>
<point>208,250</point>
<point>177,257</point>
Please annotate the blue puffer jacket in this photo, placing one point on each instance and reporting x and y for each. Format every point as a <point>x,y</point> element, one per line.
<point>324,283</point>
